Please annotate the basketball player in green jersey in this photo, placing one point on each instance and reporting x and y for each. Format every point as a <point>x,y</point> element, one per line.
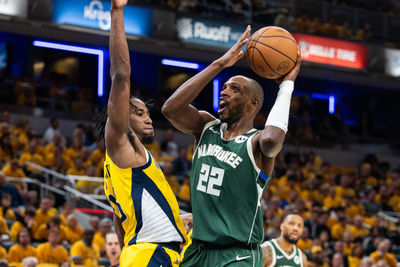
<point>282,251</point>
<point>232,163</point>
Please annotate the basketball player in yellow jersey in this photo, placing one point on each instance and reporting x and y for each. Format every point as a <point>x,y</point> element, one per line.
<point>146,216</point>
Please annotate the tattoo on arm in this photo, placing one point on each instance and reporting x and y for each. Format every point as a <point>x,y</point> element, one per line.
<point>267,255</point>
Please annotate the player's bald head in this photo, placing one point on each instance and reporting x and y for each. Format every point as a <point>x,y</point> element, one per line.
<point>255,90</point>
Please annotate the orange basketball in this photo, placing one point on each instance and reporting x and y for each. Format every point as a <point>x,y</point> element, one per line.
<point>271,52</point>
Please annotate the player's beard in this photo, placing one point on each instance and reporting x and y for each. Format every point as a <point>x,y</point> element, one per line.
<point>289,240</point>
<point>148,139</point>
<point>235,113</point>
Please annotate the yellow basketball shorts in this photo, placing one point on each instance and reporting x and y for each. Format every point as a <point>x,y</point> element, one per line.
<point>149,255</point>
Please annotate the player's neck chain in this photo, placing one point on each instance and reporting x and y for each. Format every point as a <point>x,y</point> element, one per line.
<point>289,251</point>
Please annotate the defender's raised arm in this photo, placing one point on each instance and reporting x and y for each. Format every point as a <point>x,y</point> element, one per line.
<point>118,102</point>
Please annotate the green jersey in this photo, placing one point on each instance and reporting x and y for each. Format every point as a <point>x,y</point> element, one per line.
<point>281,259</point>
<point>226,188</point>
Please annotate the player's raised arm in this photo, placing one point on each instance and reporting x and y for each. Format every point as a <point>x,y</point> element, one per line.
<point>273,135</point>
<point>118,103</point>
<point>178,108</point>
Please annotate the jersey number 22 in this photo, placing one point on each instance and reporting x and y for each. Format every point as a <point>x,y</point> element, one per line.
<point>209,178</point>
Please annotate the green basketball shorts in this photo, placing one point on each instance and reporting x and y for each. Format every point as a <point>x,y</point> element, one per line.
<point>201,254</point>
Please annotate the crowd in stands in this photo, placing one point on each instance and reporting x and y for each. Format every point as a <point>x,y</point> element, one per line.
<point>49,91</point>
<point>265,13</point>
<point>387,6</point>
<point>241,6</point>
<point>330,28</point>
<point>351,213</point>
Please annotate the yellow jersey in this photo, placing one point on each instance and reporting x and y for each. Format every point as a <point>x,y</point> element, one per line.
<point>143,200</point>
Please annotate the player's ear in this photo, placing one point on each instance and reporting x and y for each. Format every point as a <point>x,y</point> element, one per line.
<point>254,103</point>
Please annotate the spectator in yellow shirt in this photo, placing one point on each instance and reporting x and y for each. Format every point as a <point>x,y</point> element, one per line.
<point>113,250</point>
<point>23,249</point>
<point>68,209</point>
<point>332,200</point>
<point>345,187</point>
<point>72,229</point>
<point>304,242</point>
<point>382,253</point>
<point>5,211</point>
<point>339,228</point>
<point>3,226</point>
<point>14,170</point>
<point>344,31</point>
<point>75,149</point>
<point>358,229</point>
<point>348,243</point>
<point>356,255</point>
<point>184,191</point>
<point>3,253</point>
<point>51,251</point>
<point>94,223</point>
<point>85,155</point>
<point>84,248</point>
<point>31,156</point>
<point>57,142</point>
<point>353,206</point>
<point>99,238</point>
<point>58,161</point>
<point>42,233</point>
<point>89,186</point>
<point>99,153</point>
<point>42,214</point>
<point>77,168</point>
<point>303,23</point>
<point>365,174</point>
<point>171,179</point>
<point>6,149</point>
<point>27,222</point>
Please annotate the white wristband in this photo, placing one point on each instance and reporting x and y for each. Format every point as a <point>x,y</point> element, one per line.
<point>279,114</point>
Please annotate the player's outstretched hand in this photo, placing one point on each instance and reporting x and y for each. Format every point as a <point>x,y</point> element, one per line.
<point>118,3</point>
<point>235,53</point>
<point>187,220</point>
<point>294,72</point>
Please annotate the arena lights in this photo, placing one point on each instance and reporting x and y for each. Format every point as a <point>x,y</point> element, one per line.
<point>330,98</point>
<point>84,50</point>
<point>215,95</point>
<point>331,104</point>
<point>181,64</point>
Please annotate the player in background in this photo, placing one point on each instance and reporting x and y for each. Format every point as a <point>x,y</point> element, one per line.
<point>146,212</point>
<point>232,163</point>
<point>283,251</point>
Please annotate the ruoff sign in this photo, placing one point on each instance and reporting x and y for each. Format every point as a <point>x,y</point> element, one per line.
<point>332,52</point>
<point>206,32</point>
